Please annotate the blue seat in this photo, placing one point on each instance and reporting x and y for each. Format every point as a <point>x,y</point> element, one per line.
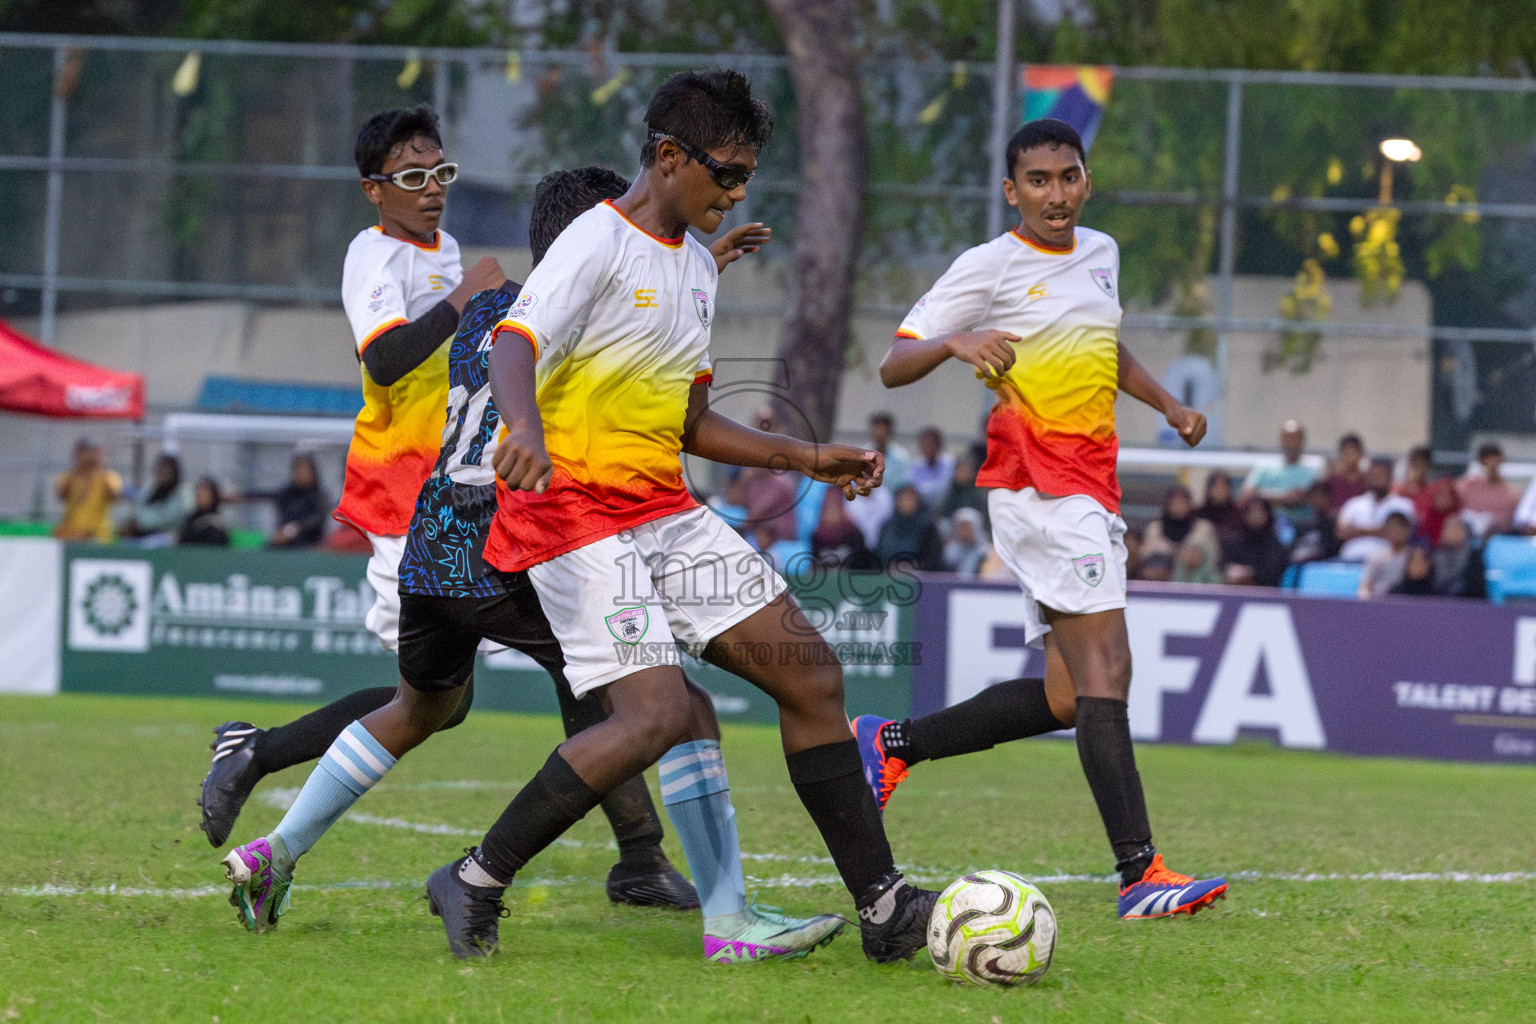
<point>1511,568</point>
<point>808,508</point>
<point>1338,579</point>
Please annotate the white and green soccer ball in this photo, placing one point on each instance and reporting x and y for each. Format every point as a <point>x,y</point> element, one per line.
<point>992,928</point>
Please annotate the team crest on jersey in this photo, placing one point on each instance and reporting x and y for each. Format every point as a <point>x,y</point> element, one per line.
<point>629,625</point>
<point>701,304</point>
<point>523,304</point>
<point>1089,569</point>
<point>1101,277</point>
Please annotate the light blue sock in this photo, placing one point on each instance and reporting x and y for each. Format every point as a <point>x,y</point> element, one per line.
<point>697,796</point>
<point>350,768</point>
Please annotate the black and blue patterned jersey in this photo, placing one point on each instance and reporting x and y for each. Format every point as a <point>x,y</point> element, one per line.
<point>444,549</point>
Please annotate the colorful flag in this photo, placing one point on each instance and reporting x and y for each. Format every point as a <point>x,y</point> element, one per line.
<point>1076,94</point>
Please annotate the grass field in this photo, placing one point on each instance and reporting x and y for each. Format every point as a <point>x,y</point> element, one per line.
<point>97,793</point>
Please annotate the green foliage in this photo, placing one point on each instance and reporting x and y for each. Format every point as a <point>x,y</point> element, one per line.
<point>98,792</point>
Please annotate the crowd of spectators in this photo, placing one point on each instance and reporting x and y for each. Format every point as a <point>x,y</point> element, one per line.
<point>169,510</point>
<point>1411,530</point>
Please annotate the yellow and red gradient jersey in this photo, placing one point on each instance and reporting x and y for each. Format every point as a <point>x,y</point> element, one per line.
<point>1053,427</point>
<point>619,323</point>
<point>387,282</point>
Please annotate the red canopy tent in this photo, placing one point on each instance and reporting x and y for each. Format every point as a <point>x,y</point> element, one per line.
<point>39,380</point>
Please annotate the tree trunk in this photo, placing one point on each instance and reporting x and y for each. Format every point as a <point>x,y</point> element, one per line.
<point>829,214</point>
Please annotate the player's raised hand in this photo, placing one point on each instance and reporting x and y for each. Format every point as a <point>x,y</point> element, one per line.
<point>1190,423</point>
<point>485,275</point>
<point>522,462</point>
<point>738,242</point>
<point>854,470</point>
<point>991,352</point>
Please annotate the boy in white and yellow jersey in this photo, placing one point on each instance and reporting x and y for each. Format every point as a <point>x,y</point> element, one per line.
<point>1037,313</point>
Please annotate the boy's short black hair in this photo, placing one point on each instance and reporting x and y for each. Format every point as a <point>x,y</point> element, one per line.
<point>385,131</point>
<point>1400,518</point>
<point>562,196</point>
<point>1490,450</point>
<point>1044,131</point>
<point>707,109</point>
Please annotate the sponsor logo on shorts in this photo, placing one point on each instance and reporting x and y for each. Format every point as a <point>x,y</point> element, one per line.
<point>629,625</point>
<point>1089,568</point>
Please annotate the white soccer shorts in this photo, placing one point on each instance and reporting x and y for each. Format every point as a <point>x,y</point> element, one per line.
<point>1068,554</point>
<point>625,603</point>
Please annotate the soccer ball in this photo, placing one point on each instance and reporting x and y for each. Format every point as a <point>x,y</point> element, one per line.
<point>992,928</point>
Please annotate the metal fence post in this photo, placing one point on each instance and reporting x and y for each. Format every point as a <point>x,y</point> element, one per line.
<point>54,210</point>
<point>1002,107</point>
<point>1226,260</point>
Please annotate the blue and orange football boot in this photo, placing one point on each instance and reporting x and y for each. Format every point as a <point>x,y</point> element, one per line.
<point>883,773</point>
<point>1163,893</point>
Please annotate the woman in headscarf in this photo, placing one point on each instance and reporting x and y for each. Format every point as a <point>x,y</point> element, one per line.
<point>1220,510</point>
<point>837,539</point>
<point>1256,556</point>
<point>159,513</point>
<point>967,545</point>
<point>1179,528</point>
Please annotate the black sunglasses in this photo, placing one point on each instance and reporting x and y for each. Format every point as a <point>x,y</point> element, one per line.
<point>727,176</point>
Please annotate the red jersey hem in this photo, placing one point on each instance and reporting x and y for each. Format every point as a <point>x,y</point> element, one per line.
<point>498,546</point>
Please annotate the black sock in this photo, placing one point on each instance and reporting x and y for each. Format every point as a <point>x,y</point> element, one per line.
<point>830,782</point>
<point>309,737</point>
<point>1109,762</point>
<point>539,814</point>
<point>1007,711</point>
<point>636,825</point>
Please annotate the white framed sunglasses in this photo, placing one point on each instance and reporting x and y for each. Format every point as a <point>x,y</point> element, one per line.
<point>414,179</point>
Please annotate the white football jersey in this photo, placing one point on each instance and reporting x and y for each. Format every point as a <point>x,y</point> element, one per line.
<point>387,282</point>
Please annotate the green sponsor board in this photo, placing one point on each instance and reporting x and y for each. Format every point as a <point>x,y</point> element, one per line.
<point>290,626</point>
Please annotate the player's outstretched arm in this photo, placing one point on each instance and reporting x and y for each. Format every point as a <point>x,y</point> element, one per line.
<point>1142,386</point>
<point>738,242</point>
<point>711,436</point>
<point>912,359</point>
<point>520,458</point>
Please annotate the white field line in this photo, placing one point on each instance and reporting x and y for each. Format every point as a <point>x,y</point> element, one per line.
<point>924,876</point>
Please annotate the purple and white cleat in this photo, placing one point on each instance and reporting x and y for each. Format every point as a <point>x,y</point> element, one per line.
<point>261,883</point>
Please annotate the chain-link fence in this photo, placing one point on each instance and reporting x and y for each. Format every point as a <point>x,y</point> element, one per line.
<point>147,170</point>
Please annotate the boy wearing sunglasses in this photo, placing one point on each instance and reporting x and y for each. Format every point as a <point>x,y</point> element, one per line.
<point>403,292</point>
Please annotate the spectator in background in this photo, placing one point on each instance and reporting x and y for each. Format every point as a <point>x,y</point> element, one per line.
<point>1219,509</point>
<point>205,526</point>
<point>967,546</point>
<point>302,507</point>
<point>909,535</point>
<point>1488,501</point>
<point>870,512</point>
<point>1418,572</point>
<point>1458,563</point>
<point>1435,506</point>
<point>770,499</point>
<point>1256,557</point>
<point>933,469</point>
<point>87,491</point>
<point>1525,512</point>
<point>837,539</point>
<point>1178,528</point>
<point>1387,564</point>
<point>1321,539</point>
<point>1362,523</point>
<point>1133,537</point>
<point>1346,477</point>
<point>1415,473</point>
<point>963,492</point>
<point>1285,486</point>
<point>1196,564</point>
<point>158,513</point>
<point>898,461</point>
